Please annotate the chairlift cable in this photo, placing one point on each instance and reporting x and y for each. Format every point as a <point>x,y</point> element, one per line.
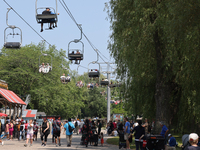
<point>26,22</point>
<point>70,14</point>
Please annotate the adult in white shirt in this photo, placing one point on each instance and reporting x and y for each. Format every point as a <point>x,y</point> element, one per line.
<point>41,68</point>
<point>63,78</point>
<point>29,133</point>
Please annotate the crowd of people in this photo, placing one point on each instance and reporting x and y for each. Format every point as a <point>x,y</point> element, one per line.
<point>28,130</point>
<point>91,132</point>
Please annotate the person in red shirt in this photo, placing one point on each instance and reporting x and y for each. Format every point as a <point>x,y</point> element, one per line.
<point>26,126</point>
<point>114,124</point>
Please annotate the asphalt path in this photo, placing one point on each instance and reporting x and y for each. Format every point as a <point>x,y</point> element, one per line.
<point>19,145</point>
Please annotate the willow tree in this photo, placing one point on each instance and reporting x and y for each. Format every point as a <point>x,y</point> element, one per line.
<point>155,44</point>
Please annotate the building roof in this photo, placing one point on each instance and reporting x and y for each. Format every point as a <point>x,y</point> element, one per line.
<point>11,97</point>
<point>41,114</point>
<point>29,113</point>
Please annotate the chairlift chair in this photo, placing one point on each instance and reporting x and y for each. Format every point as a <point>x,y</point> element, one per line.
<point>46,70</point>
<point>14,45</point>
<point>46,18</point>
<point>104,82</point>
<point>75,54</point>
<point>94,73</point>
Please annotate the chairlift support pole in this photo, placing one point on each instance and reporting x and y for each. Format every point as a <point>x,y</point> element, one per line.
<point>108,96</point>
<point>108,88</point>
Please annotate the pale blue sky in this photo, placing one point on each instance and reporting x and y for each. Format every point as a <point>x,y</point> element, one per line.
<point>89,13</point>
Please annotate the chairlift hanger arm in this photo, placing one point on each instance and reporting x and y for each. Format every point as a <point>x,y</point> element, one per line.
<point>5,40</point>
<point>37,7</point>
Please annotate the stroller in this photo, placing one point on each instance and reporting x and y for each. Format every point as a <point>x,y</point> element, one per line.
<point>185,141</point>
<point>122,142</point>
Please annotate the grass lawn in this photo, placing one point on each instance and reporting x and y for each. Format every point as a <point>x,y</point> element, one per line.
<point>115,141</point>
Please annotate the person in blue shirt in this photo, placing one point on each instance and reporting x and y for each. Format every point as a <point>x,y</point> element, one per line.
<point>164,131</point>
<point>127,132</point>
<point>172,140</point>
<point>68,133</point>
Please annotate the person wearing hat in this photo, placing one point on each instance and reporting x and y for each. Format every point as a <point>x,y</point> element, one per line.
<point>193,140</point>
<point>48,12</point>
<point>172,142</point>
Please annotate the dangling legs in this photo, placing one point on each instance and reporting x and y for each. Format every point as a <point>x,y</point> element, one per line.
<point>41,27</point>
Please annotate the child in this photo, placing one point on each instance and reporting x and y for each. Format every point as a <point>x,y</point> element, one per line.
<point>29,133</point>
<point>102,141</point>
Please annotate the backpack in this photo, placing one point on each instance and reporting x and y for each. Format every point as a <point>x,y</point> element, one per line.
<point>70,128</point>
<point>56,125</point>
<point>76,124</point>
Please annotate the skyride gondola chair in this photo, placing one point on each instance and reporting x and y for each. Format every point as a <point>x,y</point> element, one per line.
<point>7,44</point>
<point>46,17</point>
<point>45,69</point>
<point>13,45</point>
<point>76,54</point>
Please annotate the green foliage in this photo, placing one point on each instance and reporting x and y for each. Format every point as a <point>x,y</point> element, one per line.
<point>20,68</point>
<point>156,47</point>
<point>96,104</point>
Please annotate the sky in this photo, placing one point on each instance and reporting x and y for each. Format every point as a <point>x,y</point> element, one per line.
<point>89,13</point>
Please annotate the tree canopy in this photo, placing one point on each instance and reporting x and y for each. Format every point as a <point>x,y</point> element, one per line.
<point>20,68</point>
<point>155,44</point>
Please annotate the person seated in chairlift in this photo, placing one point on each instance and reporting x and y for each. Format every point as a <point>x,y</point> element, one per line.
<point>77,61</point>
<point>47,68</point>
<point>63,78</point>
<point>68,78</point>
<point>88,86</point>
<point>91,85</point>
<point>81,83</point>
<point>72,53</point>
<point>41,68</point>
<point>97,85</point>
<point>48,12</point>
<point>78,84</point>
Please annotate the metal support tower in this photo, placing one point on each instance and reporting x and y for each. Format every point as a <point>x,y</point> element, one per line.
<point>108,72</point>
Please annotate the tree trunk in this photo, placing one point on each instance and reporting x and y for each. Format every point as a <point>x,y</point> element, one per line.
<point>163,88</point>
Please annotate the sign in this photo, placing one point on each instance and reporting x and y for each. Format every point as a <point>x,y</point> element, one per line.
<point>3,84</point>
<point>117,117</point>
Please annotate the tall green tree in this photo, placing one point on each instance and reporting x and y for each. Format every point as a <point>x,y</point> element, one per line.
<point>156,44</point>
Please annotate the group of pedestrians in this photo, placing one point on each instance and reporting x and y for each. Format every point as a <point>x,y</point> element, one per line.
<point>28,131</point>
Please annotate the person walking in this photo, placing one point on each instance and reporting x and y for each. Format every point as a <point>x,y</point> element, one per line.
<point>29,133</point>
<point>22,131</point>
<point>77,124</point>
<point>56,131</point>
<point>11,129</point>
<point>35,131</point>
<point>127,132</point>
<point>6,131</point>
<point>69,127</point>
<point>45,132</point>
<point>1,130</point>
<point>99,126</point>
<point>139,134</point>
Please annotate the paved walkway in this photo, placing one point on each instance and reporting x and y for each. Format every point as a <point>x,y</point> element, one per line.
<point>19,145</point>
